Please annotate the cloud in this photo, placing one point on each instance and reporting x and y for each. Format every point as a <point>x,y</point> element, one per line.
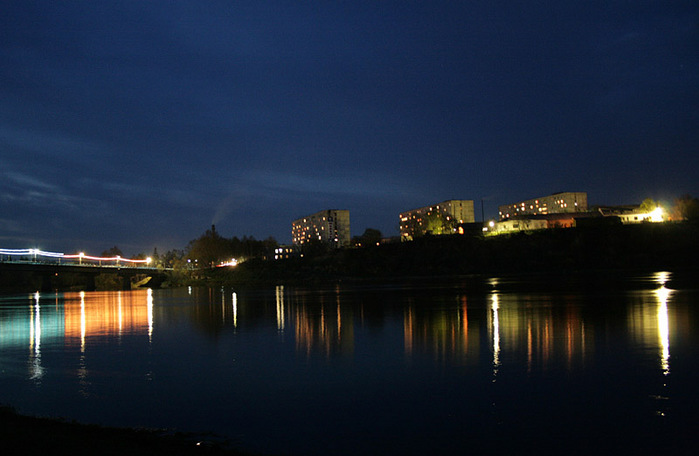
<point>47,142</point>
<point>20,190</point>
<point>29,181</point>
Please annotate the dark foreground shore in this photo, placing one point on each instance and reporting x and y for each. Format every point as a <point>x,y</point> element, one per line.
<point>32,435</point>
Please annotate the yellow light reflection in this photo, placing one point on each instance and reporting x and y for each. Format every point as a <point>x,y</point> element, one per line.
<point>339,323</point>
<point>408,333</point>
<point>82,321</point>
<point>279,291</point>
<point>109,313</point>
<point>223,306</point>
<point>661,277</point>
<point>318,330</point>
<point>120,314</point>
<point>442,333</point>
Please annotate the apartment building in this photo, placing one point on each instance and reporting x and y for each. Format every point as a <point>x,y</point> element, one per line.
<point>558,203</point>
<point>331,226</point>
<point>439,218</point>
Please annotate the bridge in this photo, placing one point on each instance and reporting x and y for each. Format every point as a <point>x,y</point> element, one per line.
<point>38,270</point>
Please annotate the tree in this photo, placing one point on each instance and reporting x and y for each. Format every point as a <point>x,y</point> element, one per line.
<point>432,222</point>
<point>686,208</point>
<point>112,252</point>
<point>315,248</point>
<point>436,223</point>
<point>371,236</point>
<point>209,249</point>
<point>172,259</point>
<point>648,205</point>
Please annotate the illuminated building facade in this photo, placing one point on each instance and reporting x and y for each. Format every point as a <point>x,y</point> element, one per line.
<point>519,224</point>
<point>558,203</point>
<point>415,222</point>
<point>634,214</point>
<point>284,252</point>
<point>330,226</point>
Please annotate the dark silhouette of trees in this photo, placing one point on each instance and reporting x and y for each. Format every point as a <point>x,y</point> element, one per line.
<point>686,208</point>
<point>211,248</point>
<point>112,252</point>
<point>371,236</point>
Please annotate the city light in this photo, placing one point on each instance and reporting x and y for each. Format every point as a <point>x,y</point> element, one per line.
<point>231,262</point>
<point>657,214</point>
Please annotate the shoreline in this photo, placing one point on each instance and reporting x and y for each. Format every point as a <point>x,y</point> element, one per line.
<point>25,434</point>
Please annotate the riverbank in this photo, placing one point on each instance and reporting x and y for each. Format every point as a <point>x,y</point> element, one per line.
<point>647,247</point>
<point>28,435</point>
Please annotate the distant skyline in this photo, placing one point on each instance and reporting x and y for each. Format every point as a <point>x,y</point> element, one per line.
<point>141,124</point>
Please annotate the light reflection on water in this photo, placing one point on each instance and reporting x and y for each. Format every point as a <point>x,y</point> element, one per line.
<point>403,363</point>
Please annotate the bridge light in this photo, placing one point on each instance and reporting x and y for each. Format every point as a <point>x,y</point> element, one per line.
<point>148,260</point>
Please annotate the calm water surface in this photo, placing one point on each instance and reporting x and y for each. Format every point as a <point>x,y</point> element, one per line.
<point>462,366</point>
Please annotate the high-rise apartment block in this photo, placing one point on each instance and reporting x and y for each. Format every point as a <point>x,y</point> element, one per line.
<point>331,226</point>
<point>417,221</point>
<point>558,203</point>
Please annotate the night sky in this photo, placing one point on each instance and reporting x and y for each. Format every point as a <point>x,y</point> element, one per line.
<point>139,124</point>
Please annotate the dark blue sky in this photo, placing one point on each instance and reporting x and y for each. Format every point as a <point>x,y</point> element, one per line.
<point>139,124</point>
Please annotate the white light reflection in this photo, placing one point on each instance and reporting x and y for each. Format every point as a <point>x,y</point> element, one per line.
<point>280,307</point>
<point>664,329</point>
<point>235,309</point>
<point>82,322</point>
<point>496,335</point>
<point>149,306</point>
<point>36,370</point>
<point>663,294</point>
<point>35,325</point>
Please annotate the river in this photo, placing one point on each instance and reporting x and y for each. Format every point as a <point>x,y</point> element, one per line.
<point>607,364</point>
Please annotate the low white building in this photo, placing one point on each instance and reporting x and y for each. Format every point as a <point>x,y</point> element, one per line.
<point>515,225</point>
<point>632,214</point>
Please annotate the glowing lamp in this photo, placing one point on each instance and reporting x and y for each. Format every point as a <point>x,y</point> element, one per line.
<point>657,214</point>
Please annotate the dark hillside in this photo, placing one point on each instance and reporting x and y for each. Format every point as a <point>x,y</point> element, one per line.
<point>646,246</point>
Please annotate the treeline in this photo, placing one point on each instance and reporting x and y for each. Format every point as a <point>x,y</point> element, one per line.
<point>211,249</point>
